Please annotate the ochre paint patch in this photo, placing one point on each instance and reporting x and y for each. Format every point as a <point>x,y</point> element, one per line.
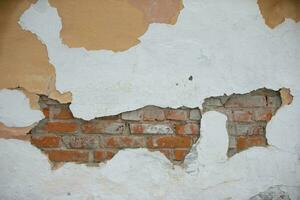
<point>23,58</point>
<point>159,11</point>
<point>15,133</point>
<point>111,24</point>
<point>275,11</point>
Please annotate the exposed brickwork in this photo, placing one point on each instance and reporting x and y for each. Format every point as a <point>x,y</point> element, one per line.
<point>170,131</point>
<point>247,116</point>
<point>68,139</point>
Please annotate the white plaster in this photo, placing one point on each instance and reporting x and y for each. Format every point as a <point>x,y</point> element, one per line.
<point>15,109</point>
<point>227,48</point>
<point>224,45</point>
<point>135,174</point>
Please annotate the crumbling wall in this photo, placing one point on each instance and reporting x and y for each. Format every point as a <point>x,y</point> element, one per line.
<point>171,131</point>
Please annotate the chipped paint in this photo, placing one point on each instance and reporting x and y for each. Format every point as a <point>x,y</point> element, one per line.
<point>276,11</point>
<point>23,59</point>
<point>111,25</point>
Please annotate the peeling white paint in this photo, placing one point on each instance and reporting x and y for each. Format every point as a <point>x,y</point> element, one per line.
<point>15,109</point>
<point>224,45</point>
<point>135,174</point>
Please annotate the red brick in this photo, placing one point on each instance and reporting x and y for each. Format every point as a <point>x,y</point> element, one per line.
<point>242,116</point>
<point>171,142</point>
<point>61,127</point>
<point>62,112</point>
<point>244,142</point>
<point>103,126</point>
<point>102,155</point>
<point>179,154</point>
<point>263,115</point>
<point>67,156</point>
<point>169,153</point>
<point>124,141</point>
<point>45,141</point>
<point>152,113</point>
<point>157,128</point>
<point>176,114</point>
<point>189,128</point>
<point>81,142</point>
<point>46,112</point>
<point>246,101</point>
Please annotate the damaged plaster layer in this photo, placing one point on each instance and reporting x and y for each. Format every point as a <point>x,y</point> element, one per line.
<point>15,110</point>
<point>19,133</point>
<point>128,80</point>
<point>238,178</point>
<point>23,59</point>
<point>247,116</point>
<point>65,138</point>
<point>112,25</point>
<point>276,11</point>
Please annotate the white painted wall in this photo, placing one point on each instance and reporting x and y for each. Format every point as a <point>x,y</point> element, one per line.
<point>224,45</point>
<point>15,109</point>
<point>227,48</point>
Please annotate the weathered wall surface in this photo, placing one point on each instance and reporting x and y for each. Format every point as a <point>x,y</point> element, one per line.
<point>23,59</point>
<point>215,47</point>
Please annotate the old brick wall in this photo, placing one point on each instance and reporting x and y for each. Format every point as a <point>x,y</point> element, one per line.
<point>171,131</point>
<point>65,138</point>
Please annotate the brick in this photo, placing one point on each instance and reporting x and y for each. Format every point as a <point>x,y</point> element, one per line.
<point>274,101</point>
<point>179,154</point>
<point>151,129</point>
<point>246,101</point>
<point>263,114</point>
<point>46,112</point>
<point>61,112</point>
<point>250,129</point>
<point>136,115</point>
<point>169,153</point>
<point>103,155</point>
<point>169,142</point>
<point>176,114</point>
<point>153,113</point>
<point>242,116</point>
<point>60,127</point>
<point>195,114</point>
<point>103,126</point>
<point>67,156</point>
<point>45,141</point>
<point>124,141</point>
<point>81,142</point>
<point>188,129</point>
<point>244,142</point>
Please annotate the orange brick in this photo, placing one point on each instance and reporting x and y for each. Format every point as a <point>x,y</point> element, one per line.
<point>61,127</point>
<point>137,128</point>
<point>173,142</point>
<point>62,113</point>
<point>180,154</point>
<point>46,112</point>
<point>124,141</point>
<point>45,141</point>
<point>242,116</point>
<point>103,126</point>
<point>168,153</point>
<point>244,142</point>
<point>176,114</point>
<point>189,129</point>
<point>102,155</point>
<point>67,156</point>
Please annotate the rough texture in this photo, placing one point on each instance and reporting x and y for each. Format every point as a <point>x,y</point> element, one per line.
<point>114,24</point>
<point>171,131</point>
<point>272,193</point>
<point>65,138</point>
<point>23,58</point>
<point>247,116</point>
<point>276,11</point>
